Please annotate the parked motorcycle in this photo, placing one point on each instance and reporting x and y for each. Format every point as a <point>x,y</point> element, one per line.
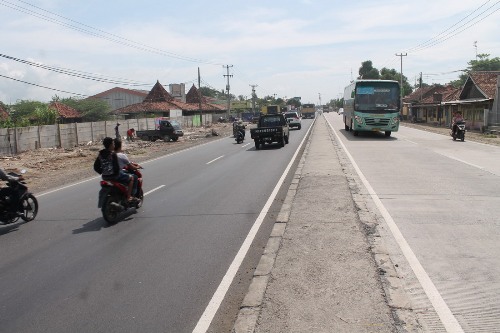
<point>16,201</point>
<point>113,198</point>
<point>459,131</point>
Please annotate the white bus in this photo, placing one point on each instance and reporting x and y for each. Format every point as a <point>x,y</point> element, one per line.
<point>372,105</point>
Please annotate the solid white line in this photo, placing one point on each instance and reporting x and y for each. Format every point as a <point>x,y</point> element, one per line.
<point>215,159</point>
<point>214,304</point>
<point>459,160</point>
<point>449,321</point>
<point>156,188</point>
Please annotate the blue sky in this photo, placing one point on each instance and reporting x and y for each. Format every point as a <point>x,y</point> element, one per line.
<point>289,48</point>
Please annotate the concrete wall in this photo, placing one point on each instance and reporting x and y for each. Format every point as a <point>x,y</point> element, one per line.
<point>16,140</point>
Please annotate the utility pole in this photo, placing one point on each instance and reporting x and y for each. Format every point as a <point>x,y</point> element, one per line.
<point>199,97</point>
<point>253,97</point>
<point>227,89</point>
<point>319,94</point>
<point>401,55</point>
<point>475,45</point>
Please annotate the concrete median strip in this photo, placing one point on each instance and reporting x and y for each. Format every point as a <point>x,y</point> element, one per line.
<point>326,274</point>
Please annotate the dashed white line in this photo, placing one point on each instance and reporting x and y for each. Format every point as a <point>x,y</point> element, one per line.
<point>155,189</point>
<point>215,159</point>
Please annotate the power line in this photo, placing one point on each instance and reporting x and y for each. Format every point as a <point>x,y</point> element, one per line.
<point>435,40</point>
<point>37,85</point>
<point>98,33</point>
<point>79,74</point>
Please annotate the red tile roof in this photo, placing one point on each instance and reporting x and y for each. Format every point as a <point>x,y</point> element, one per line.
<point>64,111</point>
<point>159,100</point>
<point>486,82</point>
<point>158,94</point>
<point>3,113</point>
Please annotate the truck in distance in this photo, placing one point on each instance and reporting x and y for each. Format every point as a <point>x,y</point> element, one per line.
<point>308,111</point>
<point>166,130</point>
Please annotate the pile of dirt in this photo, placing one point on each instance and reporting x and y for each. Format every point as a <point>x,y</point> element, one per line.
<point>55,167</point>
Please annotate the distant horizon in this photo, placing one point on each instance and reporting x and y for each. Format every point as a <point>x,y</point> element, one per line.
<point>309,49</point>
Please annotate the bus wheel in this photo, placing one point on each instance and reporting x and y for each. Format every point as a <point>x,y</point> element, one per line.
<point>387,133</point>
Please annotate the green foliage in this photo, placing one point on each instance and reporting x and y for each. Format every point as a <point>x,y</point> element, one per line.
<point>392,74</point>
<point>23,111</point>
<point>91,109</point>
<point>295,102</point>
<point>484,63</point>
<point>367,71</point>
<point>45,115</point>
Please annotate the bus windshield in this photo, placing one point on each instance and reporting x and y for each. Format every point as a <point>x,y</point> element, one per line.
<point>373,96</point>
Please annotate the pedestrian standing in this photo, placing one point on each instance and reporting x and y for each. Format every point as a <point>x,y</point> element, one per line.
<point>117,132</point>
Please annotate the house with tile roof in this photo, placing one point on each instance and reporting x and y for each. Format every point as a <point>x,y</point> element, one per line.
<point>425,104</point>
<point>477,100</point>
<point>160,103</point>
<point>66,114</point>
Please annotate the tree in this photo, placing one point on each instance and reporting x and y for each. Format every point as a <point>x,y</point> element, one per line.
<point>483,63</point>
<point>294,102</point>
<point>366,71</point>
<point>392,74</point>
<point>45,115</point>
<point>24,111</point>
<point>91,109</point>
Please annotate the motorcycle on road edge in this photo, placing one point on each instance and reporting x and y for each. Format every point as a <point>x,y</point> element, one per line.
<point>459,132</point>
<point>26,203</point>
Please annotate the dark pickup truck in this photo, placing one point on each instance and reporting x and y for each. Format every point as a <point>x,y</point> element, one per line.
<point>167,130</point>
<point>270,128</point>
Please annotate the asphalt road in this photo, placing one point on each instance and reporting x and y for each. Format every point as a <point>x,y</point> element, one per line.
<point>158,269</point>
<point>440,202</point>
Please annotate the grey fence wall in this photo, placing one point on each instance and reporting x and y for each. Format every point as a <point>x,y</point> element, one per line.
<point>19,139</point>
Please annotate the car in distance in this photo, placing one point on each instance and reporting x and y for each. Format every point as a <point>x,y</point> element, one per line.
<point>293,119</point>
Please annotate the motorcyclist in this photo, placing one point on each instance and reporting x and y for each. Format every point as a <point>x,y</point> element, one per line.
<point>457,117</point>
<point>239,127</point>
<point>7,193</point>
<point>125,164</point>
<point>107,165</point>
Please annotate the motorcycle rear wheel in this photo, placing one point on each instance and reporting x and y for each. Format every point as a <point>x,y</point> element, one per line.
<point>111,209</point>
<point>29,206</point>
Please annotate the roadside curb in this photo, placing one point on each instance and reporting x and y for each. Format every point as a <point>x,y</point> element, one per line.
<point>251,306</point>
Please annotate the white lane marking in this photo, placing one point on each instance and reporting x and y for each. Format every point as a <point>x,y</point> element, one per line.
<point>145,162</point>
<point>67,186</point>
<point>214,304</point>
<point>155,189</point>
<point>449,321</point>
<point>245,145</point>
<point>215,159</point>
<point>459,160</point>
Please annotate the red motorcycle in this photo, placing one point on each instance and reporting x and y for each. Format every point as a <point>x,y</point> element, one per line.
<point>113,198</point>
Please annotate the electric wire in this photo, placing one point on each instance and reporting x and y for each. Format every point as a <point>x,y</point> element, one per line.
<point>37,85</point>
<point>100,33</point>
<point>457,30</point>
<point>79,74</point>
